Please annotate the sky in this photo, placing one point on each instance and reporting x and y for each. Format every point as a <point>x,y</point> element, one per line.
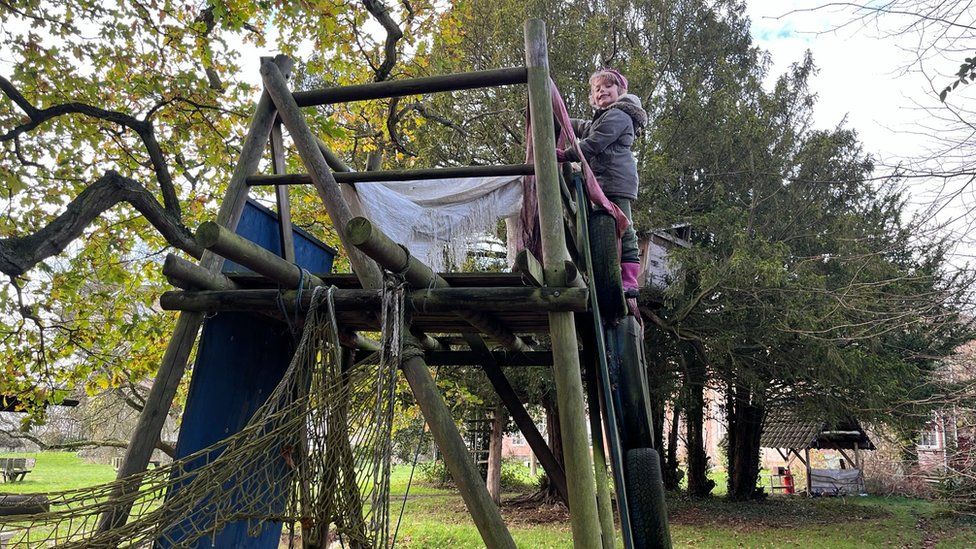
<point>868,79</point>
<point>861,72</point>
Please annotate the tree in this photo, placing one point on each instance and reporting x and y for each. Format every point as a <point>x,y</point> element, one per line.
<point>119,124</point>
<point>788,236</point>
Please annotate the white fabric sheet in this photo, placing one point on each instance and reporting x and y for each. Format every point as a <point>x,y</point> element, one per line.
<point>440,220</point>
<point>836,482</point>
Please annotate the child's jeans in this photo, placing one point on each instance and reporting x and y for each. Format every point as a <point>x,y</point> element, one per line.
<point>629,253</point>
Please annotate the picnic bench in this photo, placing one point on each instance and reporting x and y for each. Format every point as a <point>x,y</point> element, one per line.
<point>117,463</point>
<point>14,469</point>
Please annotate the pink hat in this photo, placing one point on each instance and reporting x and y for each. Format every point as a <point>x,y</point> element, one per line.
<point>619,78</point>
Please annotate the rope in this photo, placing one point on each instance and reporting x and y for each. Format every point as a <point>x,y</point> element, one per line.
<point>413,468</point>
<point>315,456</point>
<point>402,271</point>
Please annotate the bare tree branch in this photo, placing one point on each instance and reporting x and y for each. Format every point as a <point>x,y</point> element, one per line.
<point>422,110</point>
<point>392,119</point>
<point>162,446</point>
<point>143,128</point>
<point>19,254</point>
<point>393,35</point>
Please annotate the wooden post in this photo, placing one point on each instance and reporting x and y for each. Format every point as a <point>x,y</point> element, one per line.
<point>494,480</point>
<point>809,472</point>
<point>451,446</point>
<point>281,194</point>
<point>318,169</point>
<point>557,475</point>
<point>170,374</point>
<point>569,386</point>
<point>603,499</point>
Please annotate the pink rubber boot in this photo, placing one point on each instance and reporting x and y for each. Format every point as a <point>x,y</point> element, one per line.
<point>629,273</point>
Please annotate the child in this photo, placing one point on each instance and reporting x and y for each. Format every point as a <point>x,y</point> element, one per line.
<point>605,142</point>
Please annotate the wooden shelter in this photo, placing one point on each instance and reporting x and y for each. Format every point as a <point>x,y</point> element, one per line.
<point>658,268</point>
<point>798,436</point>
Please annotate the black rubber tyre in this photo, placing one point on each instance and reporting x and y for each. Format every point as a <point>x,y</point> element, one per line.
<point>645,499</point>
<point>606,266</point>
<point>624,345</point>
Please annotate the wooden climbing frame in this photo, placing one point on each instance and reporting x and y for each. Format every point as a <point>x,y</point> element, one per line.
<point>495,315</point>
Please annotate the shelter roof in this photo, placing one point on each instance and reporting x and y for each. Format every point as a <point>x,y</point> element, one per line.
<point>787,431</point>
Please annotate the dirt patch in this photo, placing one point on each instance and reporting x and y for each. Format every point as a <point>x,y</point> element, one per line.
<point>534,512</point>
<point>773,513</point>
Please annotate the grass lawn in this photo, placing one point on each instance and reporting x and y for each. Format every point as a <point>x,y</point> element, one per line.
<point>436,517</point>
<point>57,471</point>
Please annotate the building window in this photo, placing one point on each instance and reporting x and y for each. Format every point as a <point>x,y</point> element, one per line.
<point>930,438</point>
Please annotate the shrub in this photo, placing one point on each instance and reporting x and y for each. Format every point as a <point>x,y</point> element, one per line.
<point>516,477</point>
<point>435,473</point>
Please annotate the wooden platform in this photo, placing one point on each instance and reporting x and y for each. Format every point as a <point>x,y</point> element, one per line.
<point>524,321</point>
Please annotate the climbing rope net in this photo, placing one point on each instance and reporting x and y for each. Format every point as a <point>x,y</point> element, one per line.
<point>314,458</point>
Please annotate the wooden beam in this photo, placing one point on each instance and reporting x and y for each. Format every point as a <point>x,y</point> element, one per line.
<point>228,244</point>
<point>797,454</point>
<point>322,177</point>
<point>483,510</point>
<point>368,238</point>
<point>847,457</point>
<point>380,176</point>
<point>604,500</point>
<point>281,195</point>
<point>530,268</point>
<point>190,276</point>
<point>427,301</point>
<point>557,475</point>
<point>412,86</point>
<point>349,280</point>
<point>335,163</point>
<point>569,386</point>
<point>501,358</point>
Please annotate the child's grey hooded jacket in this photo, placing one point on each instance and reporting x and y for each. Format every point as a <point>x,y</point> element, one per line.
<point>606,140</point>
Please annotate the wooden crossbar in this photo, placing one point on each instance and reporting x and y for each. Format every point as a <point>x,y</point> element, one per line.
<point>412,86</point>
<point>432,300</point>
<point>380,176</point>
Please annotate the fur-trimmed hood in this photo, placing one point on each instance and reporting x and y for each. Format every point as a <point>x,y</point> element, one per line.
<point>631,104</point>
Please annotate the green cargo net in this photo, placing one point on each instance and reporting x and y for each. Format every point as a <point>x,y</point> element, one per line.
<point>315,457</point>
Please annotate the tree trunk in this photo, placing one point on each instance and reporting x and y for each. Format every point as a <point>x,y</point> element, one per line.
<point>555,441</point>
<point>699,485</point>
<point>745,419</point>
<point>495,454</point>
<point>672,475</point>
<point>659,380</point>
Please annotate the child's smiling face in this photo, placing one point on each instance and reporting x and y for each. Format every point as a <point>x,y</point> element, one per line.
<point>603,93</point>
